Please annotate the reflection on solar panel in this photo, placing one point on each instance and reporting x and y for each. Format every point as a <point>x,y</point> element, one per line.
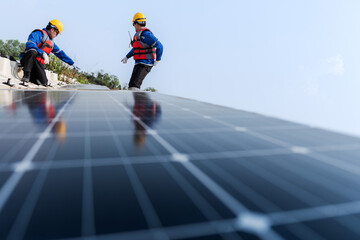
<point>135,165</point>
<point>85,87</point>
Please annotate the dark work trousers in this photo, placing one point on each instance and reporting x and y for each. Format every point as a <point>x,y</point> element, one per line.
<point>34,67</point>
<point>138,75</point>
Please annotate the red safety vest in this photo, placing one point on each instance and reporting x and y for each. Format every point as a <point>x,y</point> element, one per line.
<point>46,44</point>
<point>141,49</point>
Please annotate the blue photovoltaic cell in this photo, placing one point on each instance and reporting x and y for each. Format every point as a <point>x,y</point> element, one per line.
<point>93,163</point>
<point>61,196</point>
<point>110,216</point>
<point>11,210</point>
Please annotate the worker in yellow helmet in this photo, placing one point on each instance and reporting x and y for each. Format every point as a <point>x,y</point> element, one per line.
<point>38,48</point>
<point>147,51</point>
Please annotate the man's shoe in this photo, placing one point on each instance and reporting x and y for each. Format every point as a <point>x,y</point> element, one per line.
<point>40,84</point>
<point>25,79</point>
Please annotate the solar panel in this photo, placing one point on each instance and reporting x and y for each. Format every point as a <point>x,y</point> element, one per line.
<point>137,165</point>
<point>85,87</point>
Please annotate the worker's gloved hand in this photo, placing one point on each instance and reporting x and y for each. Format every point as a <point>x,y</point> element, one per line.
<point>156,63</point>
<point>124,60</point>
<point>46,58</point>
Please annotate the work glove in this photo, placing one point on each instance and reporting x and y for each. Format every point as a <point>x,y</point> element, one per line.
<point>46,58</point>
<point>156,63</point>
<point>124,60</point>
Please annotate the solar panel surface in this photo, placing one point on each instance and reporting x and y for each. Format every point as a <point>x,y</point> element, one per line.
<point>137,165</point>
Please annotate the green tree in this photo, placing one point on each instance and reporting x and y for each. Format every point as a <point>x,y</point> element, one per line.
<point>12,48</point>
<point>114,82</point>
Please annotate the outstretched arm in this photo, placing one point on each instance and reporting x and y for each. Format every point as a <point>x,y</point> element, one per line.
<point>62,55</point>
<point>130,54</point>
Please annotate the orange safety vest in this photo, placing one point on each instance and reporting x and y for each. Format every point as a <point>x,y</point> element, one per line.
<point>46,44</point>
<point>141,49</point>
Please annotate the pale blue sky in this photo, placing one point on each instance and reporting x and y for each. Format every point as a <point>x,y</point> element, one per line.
<point>297,60</point>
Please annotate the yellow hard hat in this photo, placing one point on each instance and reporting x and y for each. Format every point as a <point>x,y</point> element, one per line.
<point>57,24</point>
<point>139,17</point>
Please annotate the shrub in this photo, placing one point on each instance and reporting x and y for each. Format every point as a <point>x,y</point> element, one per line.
<point>100,78</point>
<point>150,89</point>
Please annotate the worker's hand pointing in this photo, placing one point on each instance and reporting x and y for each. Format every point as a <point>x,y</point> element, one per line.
<point>156,63</point>
<point>124,60</point>
<point>46,58</point>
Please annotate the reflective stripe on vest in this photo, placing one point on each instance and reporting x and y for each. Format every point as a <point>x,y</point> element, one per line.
<point>46,44</point>
<point>141,49</point>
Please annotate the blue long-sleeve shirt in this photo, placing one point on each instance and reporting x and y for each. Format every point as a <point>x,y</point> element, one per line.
<point>148,38</point>
<point>34,40</point>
